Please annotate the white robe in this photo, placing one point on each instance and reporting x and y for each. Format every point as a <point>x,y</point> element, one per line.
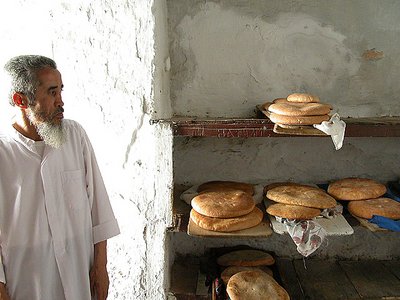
<point>52,212</point>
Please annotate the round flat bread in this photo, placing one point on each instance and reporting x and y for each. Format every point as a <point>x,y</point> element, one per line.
<point>279,100</point>
<point>276,184</point>
<point>228,224</point>
<point>302,97</point>
<point>223,204</point>
<point>230,271</point>
<point>226,185</point>
<point>246,258</point>
<point>265,106</point>
<point>302,195</point>
<point>299,109</point>
<point>255,285</point>
<point>356,189</point>
<point>297,120</point>
<point>293,211</point>
<point>384,207</point>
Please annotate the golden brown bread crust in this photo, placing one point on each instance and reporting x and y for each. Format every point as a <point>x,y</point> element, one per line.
<point>226,185</point>
<point>302,195</point>
<point>232,270</point>
<point>356,189</point>
<point>227,224</point>
<point>293,211</point>
<point>302,97</point>
<point>223,204</point>
<point>385,207</point>
<point>276,184</point>
<point>279,100</point>
<point>246,258</point>
<point>297,120</point>
<point>299,109</point>
<point>255,285</point>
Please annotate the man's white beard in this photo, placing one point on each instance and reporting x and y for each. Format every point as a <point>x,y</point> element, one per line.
<point>52,134</point>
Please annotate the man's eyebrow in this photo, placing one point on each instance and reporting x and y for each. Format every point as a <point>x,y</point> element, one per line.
<point>55,87</point>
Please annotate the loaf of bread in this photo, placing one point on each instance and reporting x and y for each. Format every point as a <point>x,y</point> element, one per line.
<point>302,97</point>
<point>255,285</point>
<point>384,207</point>
<point>228,224</point>
<point>223,204</point>
<point>353,189</point>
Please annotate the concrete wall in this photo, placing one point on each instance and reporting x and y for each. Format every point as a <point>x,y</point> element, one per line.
<point>112,56</point>
<point>263,160</point>
<point>228,56</point>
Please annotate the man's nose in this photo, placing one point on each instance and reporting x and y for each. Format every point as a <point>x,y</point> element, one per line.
<point>59,101</point>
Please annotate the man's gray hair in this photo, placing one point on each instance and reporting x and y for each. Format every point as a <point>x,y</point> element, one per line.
<point>23,72</point>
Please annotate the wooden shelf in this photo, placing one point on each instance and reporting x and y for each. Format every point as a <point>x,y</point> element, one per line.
<point>258,127</point>
<point>302,279</point>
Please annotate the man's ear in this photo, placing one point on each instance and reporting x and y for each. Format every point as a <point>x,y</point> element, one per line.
<point>20,100</point>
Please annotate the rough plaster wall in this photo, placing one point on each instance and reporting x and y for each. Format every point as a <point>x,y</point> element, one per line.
<point>228,56</point>
<point>106,53</point>
<point>356,246</point>
<point>262,160</point>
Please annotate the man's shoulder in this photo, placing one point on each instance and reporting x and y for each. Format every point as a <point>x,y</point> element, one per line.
<point>72,126</point>
<point>74,129</point>
<point>68,123</point>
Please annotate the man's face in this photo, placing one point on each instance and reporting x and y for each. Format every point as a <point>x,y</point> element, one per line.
<point>47,112</point>
<point>48,107</point>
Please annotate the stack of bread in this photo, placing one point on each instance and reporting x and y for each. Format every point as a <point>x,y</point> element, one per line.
<point>365,198</point>
<point>297,109</point>
<point>225,206</point>
<point>297,201</point>
<point>247,275</point>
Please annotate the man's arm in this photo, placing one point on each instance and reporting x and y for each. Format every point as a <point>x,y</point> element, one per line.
<point>98,274</point>
<point>3,292</point>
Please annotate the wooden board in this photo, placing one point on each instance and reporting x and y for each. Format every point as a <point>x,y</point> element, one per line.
<point>371,226</point>
<point>298,130</point>
<point>289,279</point>
<point>187,282</point>
<point>324,280</point>
<point>394,267</point>
<point>372,279</point>
<point>334,226</point>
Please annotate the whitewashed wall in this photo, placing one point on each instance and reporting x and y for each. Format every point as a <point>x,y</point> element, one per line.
<point>115,82</point>
<point>230,55</point>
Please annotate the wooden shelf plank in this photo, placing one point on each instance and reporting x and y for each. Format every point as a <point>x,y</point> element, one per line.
<point>372,279</point>
<point>324,280</point>
<point>258,127</point>
<point>303,279</point>
<point>185,280</point>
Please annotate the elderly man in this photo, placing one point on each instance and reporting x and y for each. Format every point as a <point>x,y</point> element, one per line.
<point>55,215</point>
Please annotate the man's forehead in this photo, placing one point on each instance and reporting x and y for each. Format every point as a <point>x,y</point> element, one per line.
<point>49,76</point>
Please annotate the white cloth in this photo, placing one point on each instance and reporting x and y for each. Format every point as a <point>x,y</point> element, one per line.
<point>52,211</point>
<point>335,127</point>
